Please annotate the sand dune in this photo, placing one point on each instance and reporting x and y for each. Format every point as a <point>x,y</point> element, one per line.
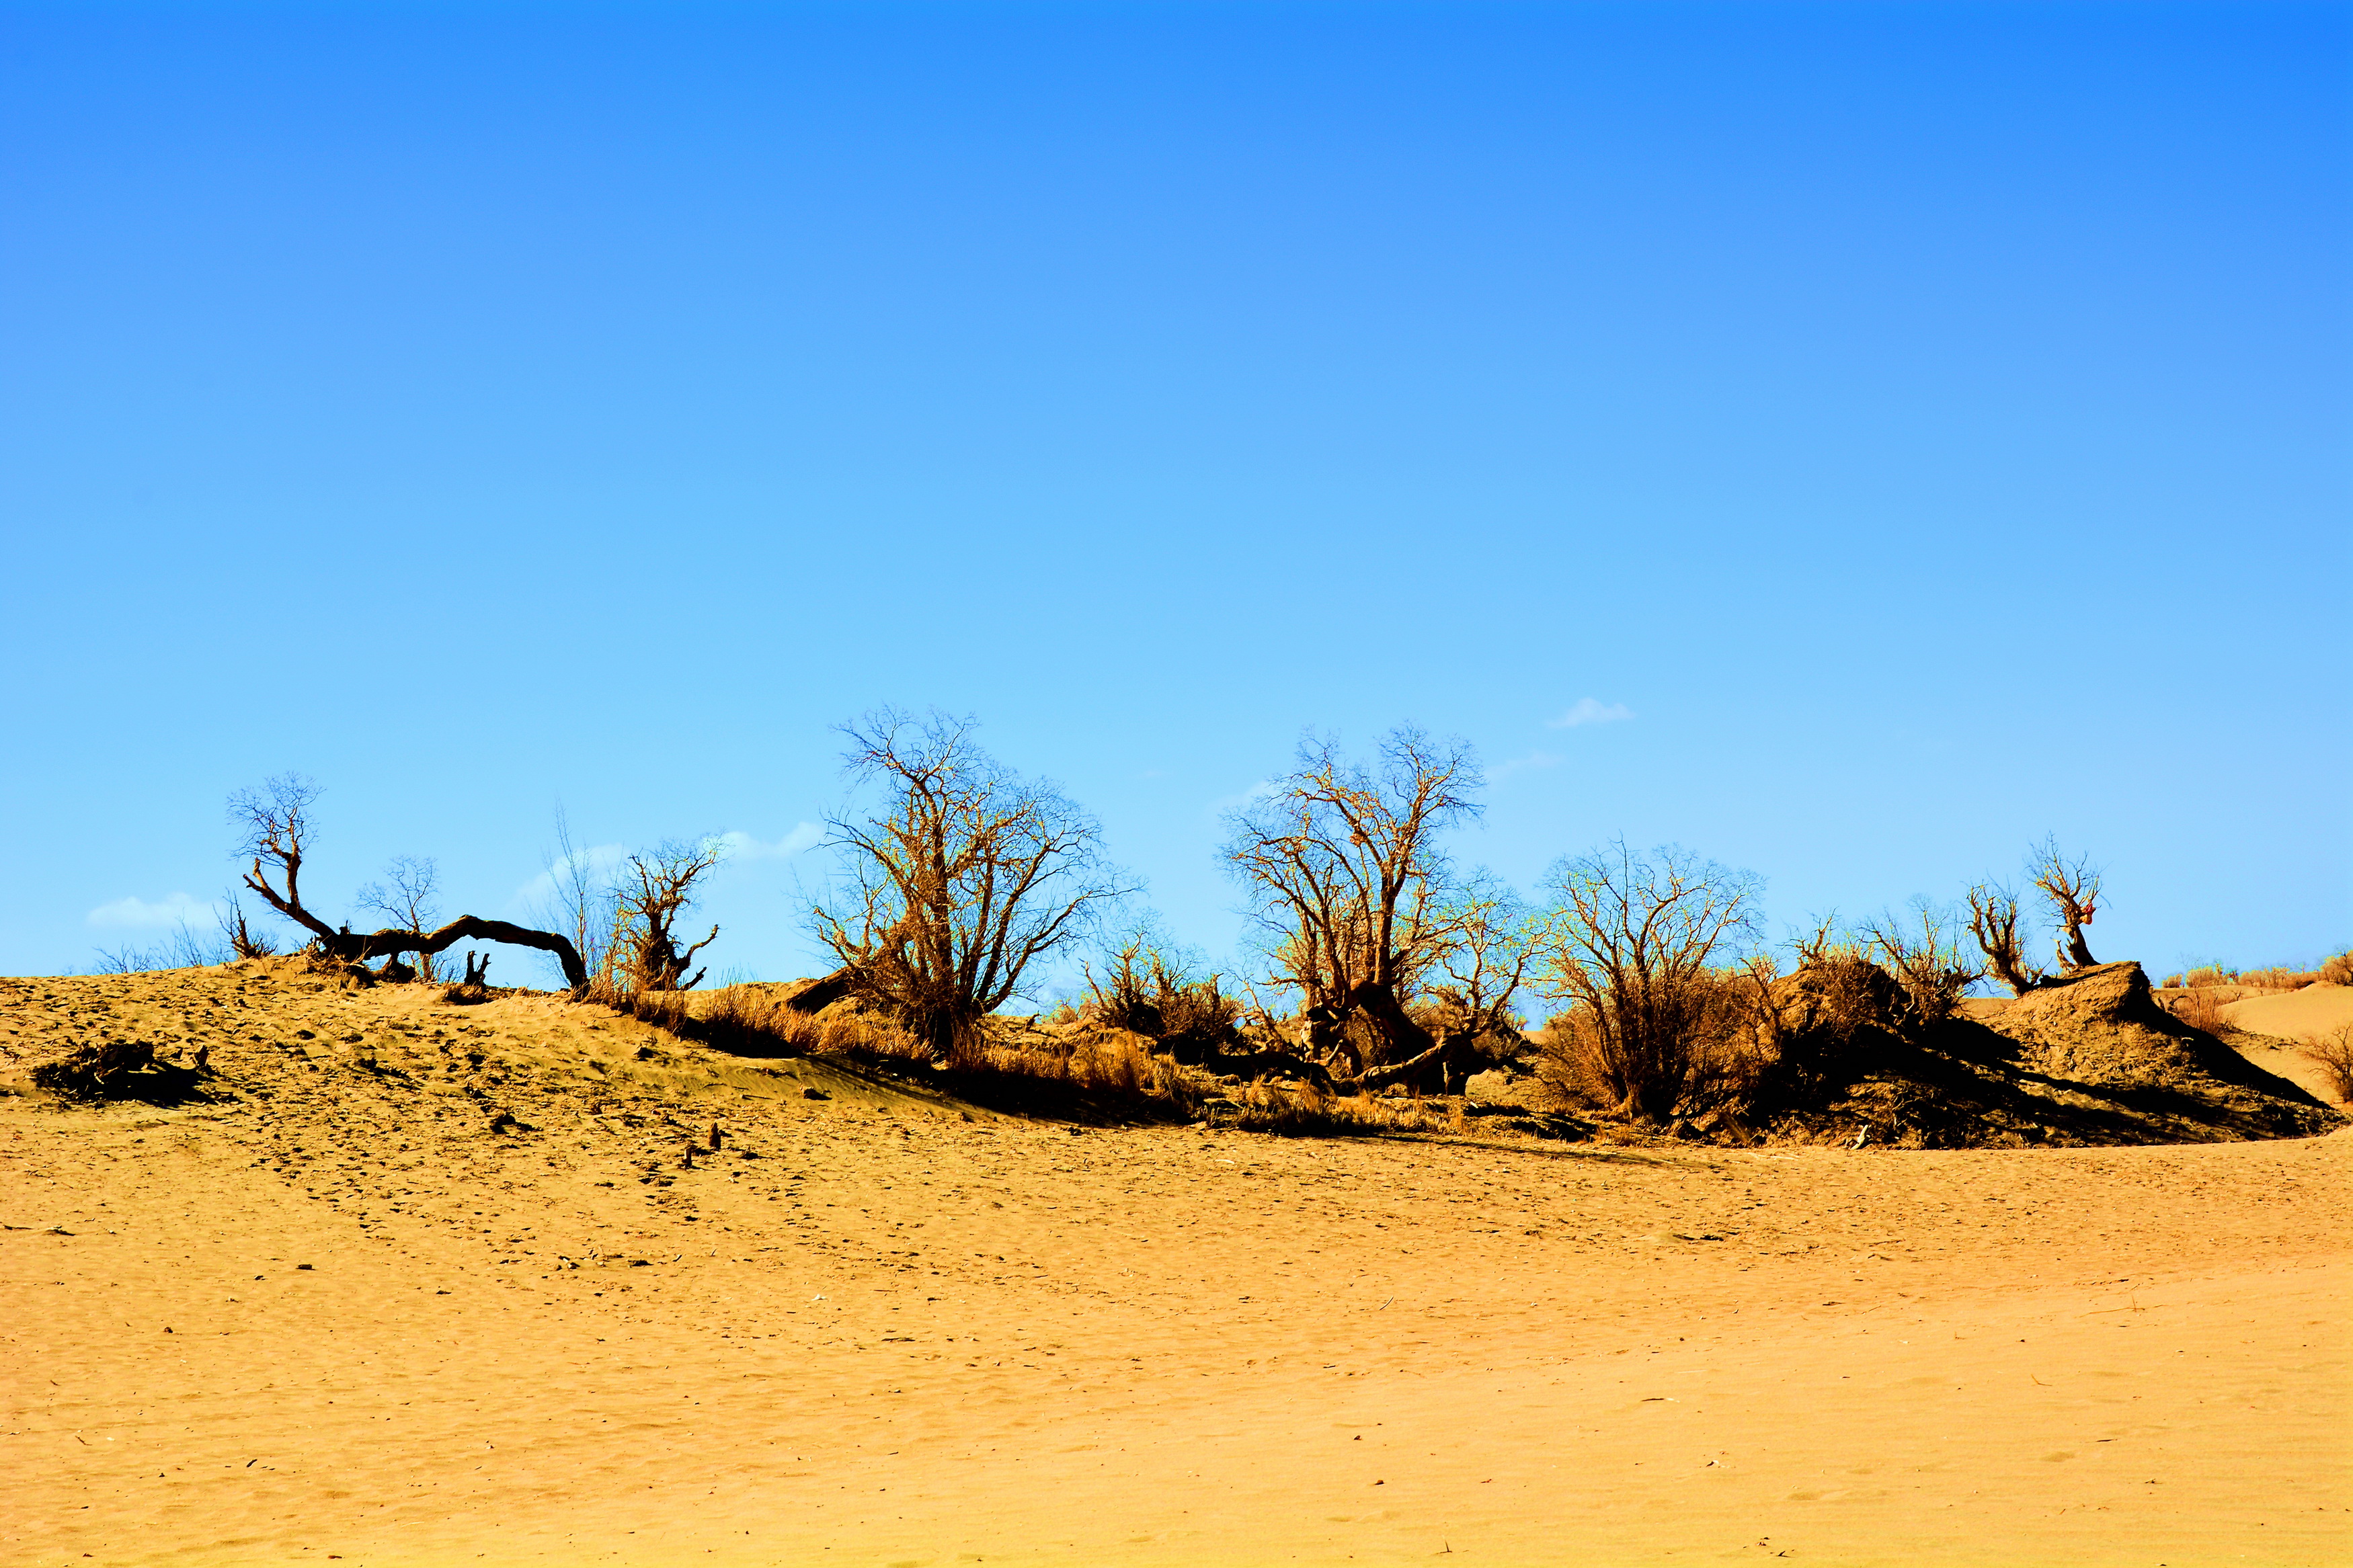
<point>881,1327</point>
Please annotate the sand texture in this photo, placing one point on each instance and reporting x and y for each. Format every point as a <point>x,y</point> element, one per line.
<point>415,1283</point>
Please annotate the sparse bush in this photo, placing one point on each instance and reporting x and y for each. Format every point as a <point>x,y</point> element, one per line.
<point>2338,970</point>
<point>2334,1054</point>
<point>1147,985</point>
<point>2279,978</point>
<point>2202,1009</point>
<point>1923,957</point>
<point>1653,1030</point>
<point>2210,975</point>
<point>95,1071</point>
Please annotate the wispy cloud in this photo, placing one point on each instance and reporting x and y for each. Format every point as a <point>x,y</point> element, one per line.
<point>742,846</point>
<point>138,914</point>
<point>1590,710</point>
<point>596,861</point>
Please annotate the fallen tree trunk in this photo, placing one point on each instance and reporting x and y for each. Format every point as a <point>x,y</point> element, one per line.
<point>820,994</point>
<point>1443,1068</point>
<point>353,946</point>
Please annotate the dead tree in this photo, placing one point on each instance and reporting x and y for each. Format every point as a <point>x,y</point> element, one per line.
<point>408,902</point>
<point>277,832</point>
<point>243,941</point>
<point>652,891</point>
<point>2073,890</point>
<point>958,878</point>
<point>1345,868</point>
<point>1993,920</point>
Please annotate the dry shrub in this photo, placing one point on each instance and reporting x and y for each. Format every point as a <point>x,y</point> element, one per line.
<point>2281,978</point>
<point>1712,1060</point>
<point>1923,957</point>
<point>2202,1009</point>
<point>1148,987</point>
<point>90,1072</point>
<point>2338,970</point>
<point>1653,1028</point>
<point>2334,1054</point>
<point>2210,975</point>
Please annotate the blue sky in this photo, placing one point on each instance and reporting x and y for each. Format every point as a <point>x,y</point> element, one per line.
<point>1926,425</point>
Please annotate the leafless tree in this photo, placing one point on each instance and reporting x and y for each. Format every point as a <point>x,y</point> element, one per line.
<point>1631,945</point>
<point>276,835</point>
<point>581,903</point>
<point>2073,889</point>
<point>1345,868</point>
<point>406,898</point>
<point>1475,976</point>
<point>1993,922</point>
<point>651,891</point>
<point>958,876</point>
<point>1923,956</point>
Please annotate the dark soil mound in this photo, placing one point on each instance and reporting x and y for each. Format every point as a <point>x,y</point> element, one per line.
<point>2090,1060</point>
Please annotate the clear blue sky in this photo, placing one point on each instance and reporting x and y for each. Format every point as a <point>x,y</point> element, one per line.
<point>1927,424</point>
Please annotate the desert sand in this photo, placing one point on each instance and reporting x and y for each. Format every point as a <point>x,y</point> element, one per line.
<point>427,1284</point>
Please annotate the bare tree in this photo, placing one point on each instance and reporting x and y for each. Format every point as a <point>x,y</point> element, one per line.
<point>1630,947</point>
<point>1343,865</point>
<point>1923,956</point>
<point>652,892</point>
<point>1993,922</point>
<point>1493,939</point>
<point>581,903</point>
<point>959,877</point>
<point>407,901</point>
<point>2073,889</point>
<point>278,833</point>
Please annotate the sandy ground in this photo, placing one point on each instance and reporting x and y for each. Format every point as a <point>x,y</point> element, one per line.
<point>2279,1021</point>
<point>338,1317</point>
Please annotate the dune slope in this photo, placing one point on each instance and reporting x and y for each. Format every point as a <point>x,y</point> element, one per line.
<point>883,1328</point>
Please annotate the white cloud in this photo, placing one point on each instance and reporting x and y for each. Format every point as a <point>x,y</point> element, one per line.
<point>138,914</point>
<point>1590,710</point>
<point>596,861</point>
<point>742,846</point>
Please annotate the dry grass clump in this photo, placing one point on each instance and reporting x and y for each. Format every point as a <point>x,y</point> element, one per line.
<point>1112,1062</point>
<point>742,1020</point>
<point>2334,1053</point>
<point>1305,1110</point>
